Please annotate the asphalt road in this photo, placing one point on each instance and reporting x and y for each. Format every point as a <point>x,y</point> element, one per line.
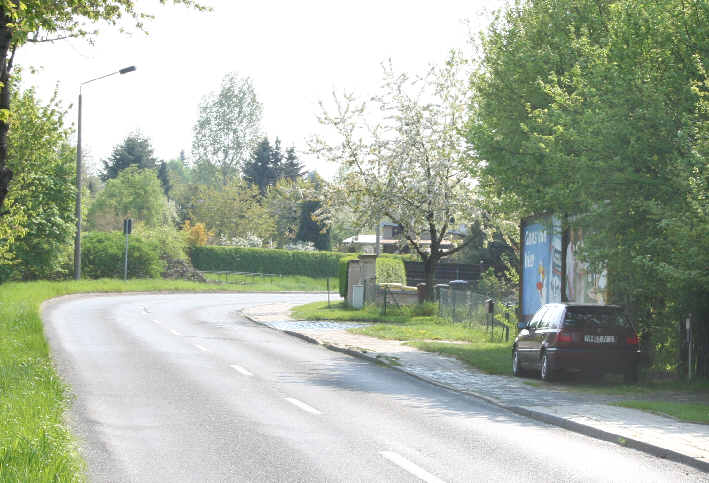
<point>181,388</point>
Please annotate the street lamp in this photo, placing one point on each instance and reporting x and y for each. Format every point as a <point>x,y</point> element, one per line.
<point>77,239</point>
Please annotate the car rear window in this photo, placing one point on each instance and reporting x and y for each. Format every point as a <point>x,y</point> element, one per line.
<point>594,317</point>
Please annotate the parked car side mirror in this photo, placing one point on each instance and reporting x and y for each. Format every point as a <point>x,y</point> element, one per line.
<point>522,325</point>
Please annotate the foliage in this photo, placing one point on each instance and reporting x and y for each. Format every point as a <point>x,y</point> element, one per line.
<point>343,272</point>
<point>692,412</point>
<point>135,150</point>
<point>261,169</point>
<point>413,166</point>
<point>600,110</point>
<point>102,256</point>
<point>196,235</point>
<point>390,270</point>
<point>228,126</point>
<point>231,210</point>
<point>41,195</point>
<point>135,193</point>
<point>41,21</point>
<point>265,260</point>
<point>170,241</point>
<point>310,229</point>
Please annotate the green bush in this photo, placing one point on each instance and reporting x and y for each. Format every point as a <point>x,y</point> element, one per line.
<point>344,263</point>
<point>102,256</point>
<point>266,260</point>
<point>391,270</point>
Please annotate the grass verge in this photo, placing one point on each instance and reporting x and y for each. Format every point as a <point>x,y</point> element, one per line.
<point>693,413</point>
<point>426,332</point>
<point>35,444</point>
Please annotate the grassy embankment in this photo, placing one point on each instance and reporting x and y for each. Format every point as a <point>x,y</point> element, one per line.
<point>470,345</point>
<point>35,444</point>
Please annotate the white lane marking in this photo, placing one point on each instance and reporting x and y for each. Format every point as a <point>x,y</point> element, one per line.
<point>157,321</point>
<point>241,370</point>
<point>302,405</point>
<point>201,348</point>
<point>415,470</point>
<point>175,332</point>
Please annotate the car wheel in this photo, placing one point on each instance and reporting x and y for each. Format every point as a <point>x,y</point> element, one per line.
<point>516,367</point>
<point>545,370</point>
<point>630,376</point>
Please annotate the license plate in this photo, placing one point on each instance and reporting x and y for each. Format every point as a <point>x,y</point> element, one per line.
<point>599,339</point>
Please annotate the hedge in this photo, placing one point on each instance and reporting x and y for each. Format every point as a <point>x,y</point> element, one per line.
<point>342,273</point>
<point>102,256</point>
<point>266,260</point>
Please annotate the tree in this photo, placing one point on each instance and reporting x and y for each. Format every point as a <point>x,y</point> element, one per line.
<point>291,167</point>
<point>259,170</point>
<point>283,201</point>
<point>231,211</point>
<point>413,166</point>
<point>41,196</point>
<point>228,126</point>
<point>598,110</point>
<point>41,21</point>
<point>135,193</point>
<point>135,150</point>
<point>310,229</point>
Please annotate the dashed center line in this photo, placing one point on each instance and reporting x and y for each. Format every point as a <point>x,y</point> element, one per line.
<point>203,349</point>
<point>241,370</point>
<point>302,405</point>
<point>175,332</point>
<point>412,468</point>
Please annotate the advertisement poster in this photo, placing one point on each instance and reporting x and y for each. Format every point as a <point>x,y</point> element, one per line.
<point>541,258</point>
<point>582,285</point>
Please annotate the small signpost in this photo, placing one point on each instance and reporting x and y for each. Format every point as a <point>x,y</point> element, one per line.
<point>127,228</point>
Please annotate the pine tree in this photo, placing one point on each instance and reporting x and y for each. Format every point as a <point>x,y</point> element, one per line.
<point>291,169</point>
<point>310,230</point>
<point>135,150</point>
<point>258,170</point>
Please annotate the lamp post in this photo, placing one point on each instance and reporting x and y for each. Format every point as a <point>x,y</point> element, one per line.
<point>77,239</point>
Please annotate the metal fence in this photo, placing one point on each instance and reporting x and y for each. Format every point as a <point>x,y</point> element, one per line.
<point>462,304</point>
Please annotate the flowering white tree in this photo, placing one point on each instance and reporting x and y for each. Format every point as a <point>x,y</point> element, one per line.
<point>404,157</point>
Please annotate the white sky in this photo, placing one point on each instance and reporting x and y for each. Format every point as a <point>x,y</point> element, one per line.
<point>295,52</point>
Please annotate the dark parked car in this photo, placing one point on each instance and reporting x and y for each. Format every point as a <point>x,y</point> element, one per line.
<point>573,337</point>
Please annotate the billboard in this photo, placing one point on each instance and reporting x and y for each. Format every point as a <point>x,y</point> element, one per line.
<point>582,285</point>
<point>541,263</point>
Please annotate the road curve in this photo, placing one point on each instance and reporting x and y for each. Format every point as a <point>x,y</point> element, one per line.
<point>182,388</point>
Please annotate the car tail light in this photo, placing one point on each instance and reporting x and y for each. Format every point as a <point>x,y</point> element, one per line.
<point>632,340</point>
<point>563,337</point>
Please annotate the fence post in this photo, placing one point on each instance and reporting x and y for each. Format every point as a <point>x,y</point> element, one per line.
<point>328,292</point>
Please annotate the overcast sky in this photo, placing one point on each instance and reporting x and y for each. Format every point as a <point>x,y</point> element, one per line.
<point>295,52</point>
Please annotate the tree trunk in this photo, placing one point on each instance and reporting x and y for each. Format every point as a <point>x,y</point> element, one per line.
<point>5,172</point>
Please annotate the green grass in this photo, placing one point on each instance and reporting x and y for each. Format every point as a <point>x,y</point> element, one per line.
<point>691,412</point>
<point>490,357</point>
<point>35,444</point>
<point>425,332</point>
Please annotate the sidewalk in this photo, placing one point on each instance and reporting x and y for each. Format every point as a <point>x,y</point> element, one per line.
<point>589,414</point>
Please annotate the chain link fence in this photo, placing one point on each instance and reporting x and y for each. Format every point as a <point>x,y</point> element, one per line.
<point>462,303</point>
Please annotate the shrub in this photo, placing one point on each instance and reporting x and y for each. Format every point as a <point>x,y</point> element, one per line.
<point>196,235</point>
<point>342,273</point>
<point>391,270</point>
<point>102,256</point>
<point>266,260</point>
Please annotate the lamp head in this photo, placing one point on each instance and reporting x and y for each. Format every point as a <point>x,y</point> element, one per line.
<point>125,70</point>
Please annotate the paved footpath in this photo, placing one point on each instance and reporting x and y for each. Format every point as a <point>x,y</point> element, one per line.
<point>585,413</point>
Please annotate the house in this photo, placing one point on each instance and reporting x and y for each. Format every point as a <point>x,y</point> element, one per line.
<point>392,240</point>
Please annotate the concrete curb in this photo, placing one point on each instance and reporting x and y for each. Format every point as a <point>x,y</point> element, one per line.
<point>569,425</point>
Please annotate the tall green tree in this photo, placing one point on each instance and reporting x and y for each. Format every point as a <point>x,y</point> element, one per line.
<point>228,127</point>
<point>36,21</point>
<point>135,150</point>
<point>291,168</point>
<point>42,191</point>
<point>599,110</point>
<point>259,169</point>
